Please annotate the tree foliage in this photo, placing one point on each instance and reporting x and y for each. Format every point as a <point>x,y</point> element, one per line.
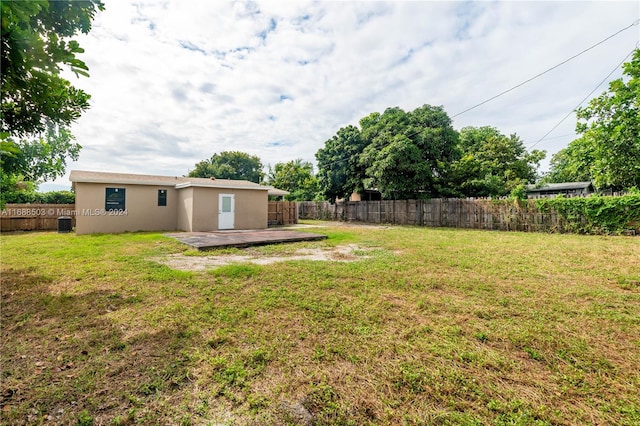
<point>38,104</point>
<point>595,215</point>
<point>418,154</point>
<point>492,164</point>
<point>339,171</point>
<point>28,195</point>
<point>573,163</point>
<point>610,125</point>
<point>407,154</point>
<point>44,158</point>
<point>297,177</point>
<point>35,44</point>
<point>230,165</point>
<point>29,162</point>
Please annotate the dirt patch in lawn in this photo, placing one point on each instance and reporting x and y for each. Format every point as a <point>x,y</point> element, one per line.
<point>344,253</point>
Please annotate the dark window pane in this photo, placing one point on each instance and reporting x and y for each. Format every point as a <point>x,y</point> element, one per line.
<point>114,199</point>
<point>162,197</point>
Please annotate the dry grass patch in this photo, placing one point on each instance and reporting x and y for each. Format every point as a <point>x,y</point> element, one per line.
<point>212,259</point>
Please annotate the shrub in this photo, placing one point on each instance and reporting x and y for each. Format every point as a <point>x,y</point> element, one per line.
<point>597,214</point>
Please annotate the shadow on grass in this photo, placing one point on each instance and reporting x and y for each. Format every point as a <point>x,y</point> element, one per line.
<point>65,361</point>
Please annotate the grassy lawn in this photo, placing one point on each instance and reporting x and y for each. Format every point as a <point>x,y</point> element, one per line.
<point>435,326</point>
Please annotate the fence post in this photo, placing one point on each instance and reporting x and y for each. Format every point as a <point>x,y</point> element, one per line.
<point>393,211</point>
<point>406,212</point>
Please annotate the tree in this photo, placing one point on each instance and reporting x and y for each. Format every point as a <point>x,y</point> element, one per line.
<point>339,171</point>
<point>30,162</point>
<point>230,165</point>
<point>573,163</point>
<point>610,124</point>
<point>408,154</point>
<point>35,43</point>
<point>297,177</point>
<point>38,104</point>
<point>44,158</point>
<point>492,164</point>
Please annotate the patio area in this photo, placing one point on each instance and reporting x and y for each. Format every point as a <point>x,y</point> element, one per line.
<point>220,239</point>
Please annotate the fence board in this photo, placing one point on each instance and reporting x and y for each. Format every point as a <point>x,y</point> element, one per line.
<point>282,213</point>
<point>439,212</point>
<point>34,217</point>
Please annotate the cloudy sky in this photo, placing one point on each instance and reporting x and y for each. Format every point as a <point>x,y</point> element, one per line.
<point>175,81</point>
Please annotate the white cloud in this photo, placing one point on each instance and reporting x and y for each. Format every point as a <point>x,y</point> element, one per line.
<point>174,82</point>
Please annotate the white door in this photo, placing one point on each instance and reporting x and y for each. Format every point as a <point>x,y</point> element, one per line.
<point>226,208</point>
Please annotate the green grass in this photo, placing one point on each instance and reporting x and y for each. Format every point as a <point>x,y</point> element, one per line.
<point>436,326</point>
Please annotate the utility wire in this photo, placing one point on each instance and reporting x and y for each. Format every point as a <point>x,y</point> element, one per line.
<point>561,136</point>
<point>634,23</point>
<point>585,98</point>
<point>544,72</point>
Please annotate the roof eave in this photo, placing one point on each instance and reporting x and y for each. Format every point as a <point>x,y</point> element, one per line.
<point>220,186</point>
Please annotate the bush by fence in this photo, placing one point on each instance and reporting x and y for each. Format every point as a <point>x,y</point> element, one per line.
<point>596,215</point>
<point>29,197</point>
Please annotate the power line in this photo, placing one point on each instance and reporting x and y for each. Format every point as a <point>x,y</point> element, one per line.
<point>585,98</point>
<point>634,23</point>
<point>561,136</point>
<point>544,72</point>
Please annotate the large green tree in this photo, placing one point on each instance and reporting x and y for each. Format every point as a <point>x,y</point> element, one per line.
<point>610,125</point>
<point>573,163</point>
<point>38,104</point>
<point>408,154</point>
<point>492,164</point>
<point>295,176</point>
<point>339,172</point>
<point>230,165</point>
<point>36,44</point>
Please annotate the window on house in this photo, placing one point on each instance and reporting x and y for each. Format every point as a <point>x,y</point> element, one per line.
<point>162,197</point>
<point>114,199</point>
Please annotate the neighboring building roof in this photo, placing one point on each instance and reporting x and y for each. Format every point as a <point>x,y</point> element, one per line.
<point>175,181</point>
<point>275,192</point>
<point>564,186</point>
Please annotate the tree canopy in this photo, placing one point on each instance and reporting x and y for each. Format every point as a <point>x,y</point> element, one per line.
<point>35,45</point>
<point>230,165</point>
<point>339,172</point>
<point>297,177</point>
<point>407,154</point>
<point>608,150</point>
<point>573,163</point>
<point>610,125</point>
<point>37,104</point>
<point>418,154</point>
<point>492,164</point>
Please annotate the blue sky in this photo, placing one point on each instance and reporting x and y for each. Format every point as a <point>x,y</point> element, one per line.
<point>175,81</point>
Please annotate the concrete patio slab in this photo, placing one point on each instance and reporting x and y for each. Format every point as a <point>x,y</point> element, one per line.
<point>221,239</point>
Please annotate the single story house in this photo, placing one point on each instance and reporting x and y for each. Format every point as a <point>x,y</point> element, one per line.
<point>565,188</point>
<point>120,202</point>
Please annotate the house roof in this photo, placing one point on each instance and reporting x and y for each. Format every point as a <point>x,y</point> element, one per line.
<point>277,192</point>
<point>564,186</point>
<point>178,182</point>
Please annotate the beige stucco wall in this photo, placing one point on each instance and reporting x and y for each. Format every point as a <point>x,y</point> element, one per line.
<point>142,210</point>
<point>185,209</point>
<point>250,207</point>
<point>188,209</point>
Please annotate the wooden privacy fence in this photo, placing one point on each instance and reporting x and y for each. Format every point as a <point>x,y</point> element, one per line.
<point>34,217</point>
<point>282,213</point>
<point>439,212</point>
